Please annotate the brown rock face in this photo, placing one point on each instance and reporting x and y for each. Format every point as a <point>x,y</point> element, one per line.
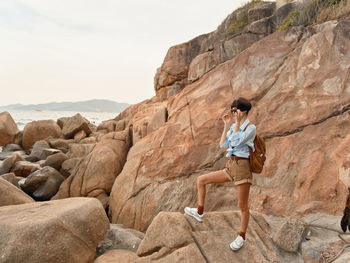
<point>8,129</point>
<point>300,91</point>
<point>11,195</point>
<point>76,224</point>
<point>39,130</point>
<point>94,175</point>
<point>75,124</point>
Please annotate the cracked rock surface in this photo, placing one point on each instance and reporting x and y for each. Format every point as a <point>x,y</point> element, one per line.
<point>300,90</point>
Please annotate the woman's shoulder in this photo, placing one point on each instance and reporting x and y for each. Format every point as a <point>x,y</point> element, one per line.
<point>251,126</point>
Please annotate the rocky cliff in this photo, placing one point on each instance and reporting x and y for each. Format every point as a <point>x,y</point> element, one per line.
<point>142,166</point>
<point>298,81</point>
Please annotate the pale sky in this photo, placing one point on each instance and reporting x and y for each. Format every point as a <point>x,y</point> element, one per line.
<point>74,50</point>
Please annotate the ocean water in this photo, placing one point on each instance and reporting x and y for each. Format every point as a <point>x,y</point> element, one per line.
<point>23,117</point>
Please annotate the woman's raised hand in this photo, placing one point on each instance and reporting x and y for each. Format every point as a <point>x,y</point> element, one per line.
<point>226,118</point>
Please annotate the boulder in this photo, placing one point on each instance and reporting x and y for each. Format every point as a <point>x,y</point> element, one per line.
<point>94,174</point>
<point>12,147</point>
<point>75,124</point>
<point>8,163</point>
<point>56,160</point>
<point>8,129</point>
<point>24,168</point>
<point>42,184</point>
<point>54,231</point>
<point>11,195</point>
<point>61,121</point>
<point>109,125</point>
<point>48,152</point>
<point>5,155</point>
<point>290,235</point>
<point>12,178</point>
<point>61,144</point>
<point>79,136</point>
<point>119,237</point>
<point>37,151</point>
<point>39,130</point>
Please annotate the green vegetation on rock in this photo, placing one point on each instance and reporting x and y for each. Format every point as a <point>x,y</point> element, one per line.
<point>237,25</point>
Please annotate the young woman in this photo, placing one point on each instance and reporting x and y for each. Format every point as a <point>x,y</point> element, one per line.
<point>237,135</point>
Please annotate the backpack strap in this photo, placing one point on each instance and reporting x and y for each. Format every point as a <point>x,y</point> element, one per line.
<point>247,126</point>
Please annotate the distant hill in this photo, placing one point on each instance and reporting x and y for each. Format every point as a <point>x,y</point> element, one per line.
<point>84,106</point>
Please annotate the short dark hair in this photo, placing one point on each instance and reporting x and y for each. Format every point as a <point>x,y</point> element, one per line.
<point>242,104</point>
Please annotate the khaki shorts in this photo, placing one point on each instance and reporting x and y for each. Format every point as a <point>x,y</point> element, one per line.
<point>238,171</point>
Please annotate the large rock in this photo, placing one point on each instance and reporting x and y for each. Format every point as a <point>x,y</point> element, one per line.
<point>5,155</point>
<point>8,129</point>
<point>75,124</point>
<point>8,163</point>
<point>300,92</point>
<point>109,126</point>
<point>11,195</point>
<point>37,152</point>
<point>39,130</point>
<point>24,168</point>
<point>290,235</point>
<point>12,178</point>
<point>42,184</point>
<point>119,237</point>
<point>94,175</point>
<point>12,147</point>
<point>61,144</point>
<point>174,237</point>
<point>54,231</point>
<point>56,160</point>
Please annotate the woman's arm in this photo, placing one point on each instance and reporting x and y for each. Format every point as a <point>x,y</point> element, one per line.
<point>227,124</point>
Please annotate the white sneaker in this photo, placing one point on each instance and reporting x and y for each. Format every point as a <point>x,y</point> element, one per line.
<point>194,213</point>
<point>237,243</point>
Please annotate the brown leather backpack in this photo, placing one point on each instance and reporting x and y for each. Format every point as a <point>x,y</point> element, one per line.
<point>258,157</point>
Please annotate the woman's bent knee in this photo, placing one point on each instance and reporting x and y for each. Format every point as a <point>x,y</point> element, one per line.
<point>200,180</point>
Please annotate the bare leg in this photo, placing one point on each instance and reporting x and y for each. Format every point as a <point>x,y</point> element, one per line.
<point>243,194</point>
<point>210,178</point>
